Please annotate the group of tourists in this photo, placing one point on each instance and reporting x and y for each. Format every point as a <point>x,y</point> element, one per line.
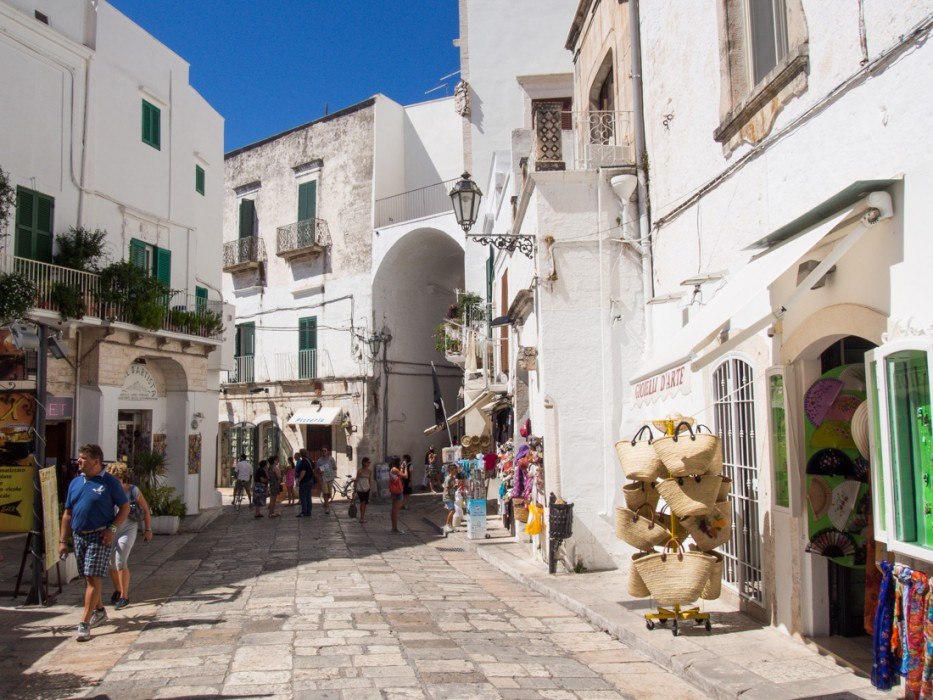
<point>102,514</point>
<point>270,484</point>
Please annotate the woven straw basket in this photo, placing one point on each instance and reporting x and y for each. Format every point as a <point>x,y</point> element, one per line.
<point>713,588</point>
<point>638,459</point>
<point>715,463</point>
<point>638,493</point>
<point>520,509</point>
<point>724,489</point>
<point>693,453</point>
<point>639,531</point>
<point>636,586</point>
<point>713,529</point>
<point>675,578</point>
<point>690,495</point>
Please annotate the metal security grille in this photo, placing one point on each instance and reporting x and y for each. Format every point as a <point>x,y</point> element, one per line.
<point>735,425</point>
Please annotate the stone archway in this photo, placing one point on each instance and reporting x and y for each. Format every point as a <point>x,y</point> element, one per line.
<point>412,290</point>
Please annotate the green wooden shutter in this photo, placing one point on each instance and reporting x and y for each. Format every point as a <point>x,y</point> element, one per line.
<point>247,217</point>
<point>200,299</point>
<point>138,253</point>
<point>25,215</point>
<point>199,179</point>
<point>152,125</point>
<point>307,200</point>
<point>245,339</point>
<point>307,333</point>
<point>45,208</point>
<point>163,266</point>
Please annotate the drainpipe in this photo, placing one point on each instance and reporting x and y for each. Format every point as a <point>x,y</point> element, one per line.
<point>641,162</point>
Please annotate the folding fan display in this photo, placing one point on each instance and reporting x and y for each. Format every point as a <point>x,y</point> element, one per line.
<point>831,462</point>
<point>831,543</point>
<point>853,377</point>
<point>862,469</point>
<point>843,503</point>
<point>833,433</point>
<point>843,407</point>
<point>819,399</point>
<point>861,515</point>
<point>819,494</point>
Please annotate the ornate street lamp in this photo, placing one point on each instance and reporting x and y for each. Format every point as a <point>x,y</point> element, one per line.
<point>466,197</point>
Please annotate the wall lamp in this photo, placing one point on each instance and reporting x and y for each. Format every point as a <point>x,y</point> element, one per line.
<point>465,196</point>
<point>259,390</point>
<point>501,321</point>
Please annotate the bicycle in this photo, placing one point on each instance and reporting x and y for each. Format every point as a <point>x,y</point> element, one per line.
<point>347,488</point>
<point>238,491</point>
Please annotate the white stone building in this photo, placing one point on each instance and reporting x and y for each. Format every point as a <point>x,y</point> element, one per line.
<point>101,129</point>
<point>342,255</point>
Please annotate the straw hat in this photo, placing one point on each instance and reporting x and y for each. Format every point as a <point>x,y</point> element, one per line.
<point>860,428</point>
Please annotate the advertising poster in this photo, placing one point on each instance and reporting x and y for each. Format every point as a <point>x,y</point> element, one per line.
<point>50,515</point>
<point>12,360</point>
<point>476,525</point>
<point>17,415</point>
<point>16,496</point>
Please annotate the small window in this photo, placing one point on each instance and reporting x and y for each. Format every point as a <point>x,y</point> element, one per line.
<point>199,179</point>
<point>152,125</point>
<point>34,222</point>
<point>902,409</point>
<point>767,36</point>
<point>41,17</point>
<point>247,218</point>
<point>307,347</point>
<point>156,261</point>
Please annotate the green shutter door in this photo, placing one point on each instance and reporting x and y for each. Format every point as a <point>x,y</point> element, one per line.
<point>200,299</point>
<point>163,266</point>
<point>138,253</point>
<point>247,217</point>
<point>247,339</point>
<point>307,347</point>
<point>25,214</point>
<point>45,209</point>
<point>307,200</point>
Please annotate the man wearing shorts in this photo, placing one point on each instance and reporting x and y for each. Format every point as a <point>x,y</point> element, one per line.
<point>244,472</point>
<point>327,469</point>
<point>93,497</point>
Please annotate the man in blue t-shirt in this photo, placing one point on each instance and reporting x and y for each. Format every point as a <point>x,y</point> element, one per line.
<point>304,475</point>
<point>96,505</point>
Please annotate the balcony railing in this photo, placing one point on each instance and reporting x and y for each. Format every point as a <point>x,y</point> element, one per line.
<point>182,312</point>
<point>295,366</point>
<point>581,140</point>
<point>244,254</point>
<point>464,336</point>
<point>414,204</point>
<point>243,370</point>
<point>302,238</point>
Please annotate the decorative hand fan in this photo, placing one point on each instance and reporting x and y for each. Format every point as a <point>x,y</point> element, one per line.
<point>819,494</point>
<point>831,462</point>
<point>819,398</point>
<point>843,503</point>
<point>861,469</point>
<point>843,407</point>
<point>831,543</point>
<point>861,515</point>
<point>833,433</point>
<point>853,377</point>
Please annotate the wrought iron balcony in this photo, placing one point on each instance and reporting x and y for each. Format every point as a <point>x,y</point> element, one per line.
<point>581,140</point>
<point>308,238</point>
<point>414,204</point>
<point>243,370</point>
<point>243,254</point>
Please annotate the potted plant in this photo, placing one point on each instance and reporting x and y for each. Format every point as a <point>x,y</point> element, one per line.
<point>149,468</point>
<point>68,299</point>
<point>17,296</point>
<point>142,298</point>
<point>166,507</point>
<point>81,248</point>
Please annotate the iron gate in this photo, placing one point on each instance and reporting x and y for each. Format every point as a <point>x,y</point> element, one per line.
<point>735,424</point>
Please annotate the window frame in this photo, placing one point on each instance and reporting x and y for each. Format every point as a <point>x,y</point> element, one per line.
<point>199,179</point>
<point>151,128</point>
<point>152,253</point>
<point>33,227</point>
<point>793,506</point>
<point>885,527</point>
<point>780,32</point>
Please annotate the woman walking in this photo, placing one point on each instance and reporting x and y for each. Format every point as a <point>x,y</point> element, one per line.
<point>430,468</point>
<point>260,487</point>
<point>125,537</point>
<point>275,485</point>
<point>406,473</point>
<point>290,481</point>
<point>364,482</point>
<point>395,490</point>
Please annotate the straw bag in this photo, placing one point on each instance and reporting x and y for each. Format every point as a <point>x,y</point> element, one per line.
<point>724,488</point>
<point>694,454</point>
<point>713,588</point>
<point>638,493</point>
<point>713,529</point>
<point>639,531</point>
<point>638,459</point>
<point>636,586</point>
<point>690,495</point>
<point>520,510</point>
<point>675,579</point>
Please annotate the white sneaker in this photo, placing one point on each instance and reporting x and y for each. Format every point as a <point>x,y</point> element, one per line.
<point>84,632</point>
<point>98,616</point>
<point>448,529</point>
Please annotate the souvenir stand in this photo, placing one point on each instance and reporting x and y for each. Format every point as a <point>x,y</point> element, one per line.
<point>684,468</point>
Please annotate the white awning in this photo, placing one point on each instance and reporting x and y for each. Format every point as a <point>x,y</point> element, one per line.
<point>483,398</point>
<point>316,415</point>
<point>745,301</point>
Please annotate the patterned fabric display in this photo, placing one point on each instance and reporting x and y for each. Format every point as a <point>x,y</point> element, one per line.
<point>903,631</point>
<point>885,663</point>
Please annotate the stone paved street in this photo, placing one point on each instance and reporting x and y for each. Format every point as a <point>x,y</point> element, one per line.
<point>327,608</point>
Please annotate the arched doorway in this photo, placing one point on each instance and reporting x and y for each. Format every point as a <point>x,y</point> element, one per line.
<point>415,284</point>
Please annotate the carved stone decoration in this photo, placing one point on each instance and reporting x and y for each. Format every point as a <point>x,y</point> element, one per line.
<point>462,98</point>
<point>528,359</point>
<point>548,147</point>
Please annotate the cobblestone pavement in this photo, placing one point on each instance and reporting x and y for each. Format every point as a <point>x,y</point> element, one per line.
<point>328,608</point>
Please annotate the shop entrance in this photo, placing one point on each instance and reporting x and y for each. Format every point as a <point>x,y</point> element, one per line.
<point>134,434</point>
<point>318,436</point>
<point>838,499</point>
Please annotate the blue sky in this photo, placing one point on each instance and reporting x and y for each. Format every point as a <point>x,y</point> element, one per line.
<point>268,66</point>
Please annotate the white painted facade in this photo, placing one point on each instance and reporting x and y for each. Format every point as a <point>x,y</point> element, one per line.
<point>72,133</point>
<point>391,277</point>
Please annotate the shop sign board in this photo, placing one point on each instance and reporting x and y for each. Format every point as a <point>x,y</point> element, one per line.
<point>48,481</point>
<point>59,408</point>
<point>139,384</point>
<point>16,497</point>
<point>476,524</point>
<point>664,384</point>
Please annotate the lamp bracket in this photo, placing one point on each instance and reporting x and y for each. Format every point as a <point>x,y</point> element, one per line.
<point>523,242</point>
